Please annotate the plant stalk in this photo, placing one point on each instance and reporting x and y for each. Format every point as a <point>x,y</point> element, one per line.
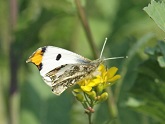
<point>13,103</point>
<point>89,118</point>
<point>86,27</point>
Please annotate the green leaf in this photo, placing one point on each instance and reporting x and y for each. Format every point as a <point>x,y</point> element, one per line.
<point>156,11</point>
<point>158,53</point>
<point>161,61</point>
<point>148,90</point>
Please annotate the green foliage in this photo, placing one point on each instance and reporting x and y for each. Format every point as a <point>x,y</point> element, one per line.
<point>148,89</point>
<point>156,11</point>
<point>139,95</point>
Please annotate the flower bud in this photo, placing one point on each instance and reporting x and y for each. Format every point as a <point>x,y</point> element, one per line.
<point>92,95</point>
<point>98,98</point>
<point>99,88</point>
<point>80,97</point>
<point>103,96</point>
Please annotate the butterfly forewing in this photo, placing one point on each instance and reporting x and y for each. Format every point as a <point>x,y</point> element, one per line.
<point>55,57</point>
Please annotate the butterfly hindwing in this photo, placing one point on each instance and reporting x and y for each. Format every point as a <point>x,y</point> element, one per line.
<point>71,76</point>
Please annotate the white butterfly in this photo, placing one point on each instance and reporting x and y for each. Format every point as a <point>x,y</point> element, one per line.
<point>61,68</point>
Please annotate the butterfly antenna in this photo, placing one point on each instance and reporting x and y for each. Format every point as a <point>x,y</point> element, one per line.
<point>103,47</point>
<point>121,57</point>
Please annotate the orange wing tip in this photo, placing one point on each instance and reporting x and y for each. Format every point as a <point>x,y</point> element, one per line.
<point>36,57</point>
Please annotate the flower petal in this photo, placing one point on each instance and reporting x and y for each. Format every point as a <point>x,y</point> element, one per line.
<point>86,88</point>
<point>116,77</point>
<point>101,68</point>
<point>111,72</point>
<point>95,82</point>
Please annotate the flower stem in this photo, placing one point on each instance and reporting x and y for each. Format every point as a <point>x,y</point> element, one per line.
<point>89,107</point>
<point>89,118</point>
<point>86,99</point>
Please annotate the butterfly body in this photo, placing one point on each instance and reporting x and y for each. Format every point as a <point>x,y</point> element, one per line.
<point>61,68</point>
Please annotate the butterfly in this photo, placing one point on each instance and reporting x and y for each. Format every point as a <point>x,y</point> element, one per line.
<point>61,69</point>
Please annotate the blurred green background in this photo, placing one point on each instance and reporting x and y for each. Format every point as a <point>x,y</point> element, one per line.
<point>25,25</point>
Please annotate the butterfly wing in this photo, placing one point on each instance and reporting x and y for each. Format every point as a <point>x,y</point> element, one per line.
<point>61,68</point>
<point>74,74</point>
<point>55,57</point>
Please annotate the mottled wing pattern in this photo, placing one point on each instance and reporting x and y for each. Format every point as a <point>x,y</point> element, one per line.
<point>71,76</point>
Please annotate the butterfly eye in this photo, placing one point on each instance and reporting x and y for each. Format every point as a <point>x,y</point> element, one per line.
<point>58,57</point>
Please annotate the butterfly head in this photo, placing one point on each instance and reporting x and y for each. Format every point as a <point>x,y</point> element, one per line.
<point>36,57</point>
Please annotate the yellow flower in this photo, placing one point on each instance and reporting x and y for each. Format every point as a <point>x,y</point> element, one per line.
<point>106,78</point>
<point>91,89</point>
